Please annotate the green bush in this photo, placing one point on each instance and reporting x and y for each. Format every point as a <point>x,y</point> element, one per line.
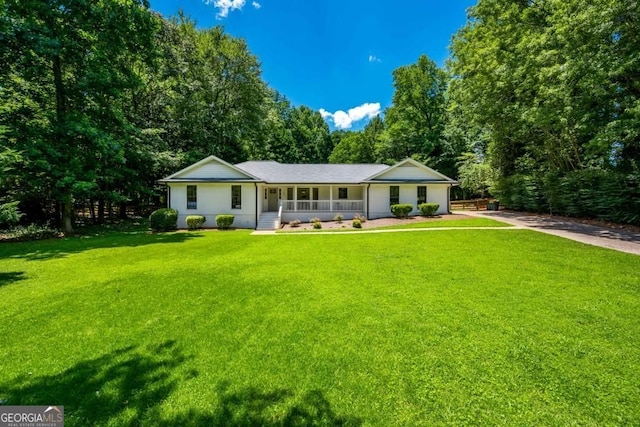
<point>9,215</point>
<point>428,209</point>
<point>195,221</point>
<point>224,222</point>
<point>401,210</point>
<point>360,218</point>
<point>31,232</point>
<point>587,193</point>
<point>317,225</point>
<point>164,219</point>
<point>356,223</point>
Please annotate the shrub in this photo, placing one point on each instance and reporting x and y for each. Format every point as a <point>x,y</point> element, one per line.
<point>295,223</point>
<point>195,221</point>
<point>356,223</point>
<point>315,219</point>
<point>32,232</point>
<point>164,219</point>
<point>401,210</point>
<point>317,225</point>
<point>338,218</point>
<point>360,218</point>
<point>9,215</point>
<point>428,209</point>
<point>224,222</point>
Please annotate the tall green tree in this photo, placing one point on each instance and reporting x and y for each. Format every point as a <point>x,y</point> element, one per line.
<point>358,147</point>
<point>415,121</point>
<point>555,85</point>
<point>218,92</point>
<point>311,136</point>
<point>275,140</point>
<point>72,62</point>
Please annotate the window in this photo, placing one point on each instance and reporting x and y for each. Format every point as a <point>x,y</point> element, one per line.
<point>314,195</point>
<point>265,194</point>
<point>342,193</point>
<point>192,197</point>
<point>236,197</point>
<point>303,194</point>
<point>290,193</point>
<point>394,195</point>
<point>422,194</point>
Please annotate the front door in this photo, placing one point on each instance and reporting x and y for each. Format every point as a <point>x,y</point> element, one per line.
<point>273,199</point>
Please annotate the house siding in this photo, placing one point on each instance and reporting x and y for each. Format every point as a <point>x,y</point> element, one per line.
<point>379,198</point>
<point>214,199</point>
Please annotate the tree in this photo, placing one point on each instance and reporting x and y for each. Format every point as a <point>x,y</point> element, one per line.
<point>358,147</point>
<point>415,121</point>
<point>554,85</point>
<point>217,92</point>
<point>72,60</point>
<point>476,176</point>
<point>310,134</point>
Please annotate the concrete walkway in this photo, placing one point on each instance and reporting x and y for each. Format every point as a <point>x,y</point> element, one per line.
<point>611,238</point>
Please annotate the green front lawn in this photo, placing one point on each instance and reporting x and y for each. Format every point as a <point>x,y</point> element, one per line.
<point>451,223</point>
<point>482,327</point>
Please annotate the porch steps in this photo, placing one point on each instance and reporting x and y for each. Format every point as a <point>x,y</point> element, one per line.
<point>268,221</point>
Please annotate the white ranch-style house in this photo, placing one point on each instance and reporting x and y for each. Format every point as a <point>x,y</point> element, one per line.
<point>264,194</point>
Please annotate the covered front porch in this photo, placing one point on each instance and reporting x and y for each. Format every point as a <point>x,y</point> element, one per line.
<point>307,201</point>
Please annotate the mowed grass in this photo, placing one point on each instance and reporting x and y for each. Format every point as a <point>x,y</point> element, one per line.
<point>451,223</point>
<point>480,327</point>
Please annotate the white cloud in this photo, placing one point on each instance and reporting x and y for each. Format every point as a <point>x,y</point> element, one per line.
<point>373,58</point>
<point>256,5</point>
<point>225,6</point>
<point>344,120</point>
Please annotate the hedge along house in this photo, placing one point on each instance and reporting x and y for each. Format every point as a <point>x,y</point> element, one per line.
<point>263,194</point>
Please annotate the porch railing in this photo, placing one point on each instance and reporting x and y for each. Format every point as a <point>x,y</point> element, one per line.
<point>323,205</point>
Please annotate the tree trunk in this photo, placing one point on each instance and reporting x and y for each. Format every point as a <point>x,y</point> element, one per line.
<point>92,207</point>
<point>123,210</point>
<point>100,210</point>
<point>67,212</point>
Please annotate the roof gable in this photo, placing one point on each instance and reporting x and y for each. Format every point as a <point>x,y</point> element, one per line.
<point>211,168</point>
<point>409,170</point>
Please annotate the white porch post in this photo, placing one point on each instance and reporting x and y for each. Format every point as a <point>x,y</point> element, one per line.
<point>295,198</point>
<point>331,198</point>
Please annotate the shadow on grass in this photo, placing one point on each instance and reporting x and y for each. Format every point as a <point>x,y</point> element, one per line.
<point>253,407</point>
<point>59,248</point>
<point>11,277</point>
<point>128,386</point>
<point>118,388</point>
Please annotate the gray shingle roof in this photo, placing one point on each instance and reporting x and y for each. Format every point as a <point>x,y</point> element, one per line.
<point>280,173</point>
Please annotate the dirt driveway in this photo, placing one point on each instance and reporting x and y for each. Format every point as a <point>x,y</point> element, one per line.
<point>620,239</point>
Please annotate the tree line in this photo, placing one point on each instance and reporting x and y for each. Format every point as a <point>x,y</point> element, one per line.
<point>100,98</point>
<point>550,89</point>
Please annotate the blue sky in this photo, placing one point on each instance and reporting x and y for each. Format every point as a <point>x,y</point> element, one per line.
<point>333,56</point>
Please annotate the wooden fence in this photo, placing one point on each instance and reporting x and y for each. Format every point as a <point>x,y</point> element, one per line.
<point>474,204</point>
